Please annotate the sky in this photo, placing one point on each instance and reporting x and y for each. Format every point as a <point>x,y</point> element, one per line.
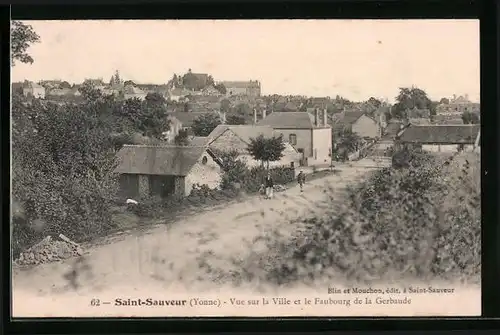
<point>356,59</point>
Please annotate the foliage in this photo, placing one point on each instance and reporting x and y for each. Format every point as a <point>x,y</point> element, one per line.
<point>62,171</point>
<point>22,37</point>
<point>243,109</point>
<point>225,106</point>
<point>470,118</point>
<point>221,88</point>
<point>411,98</point>
<point>421,222</point>
<point>238,176</point>
<point>181,138</point>
<point>205,124</point>
<point>235,120</point>
<point>375,102</point>
<point>347,142</point>
<point>444,101</point>
<point>266,149</point>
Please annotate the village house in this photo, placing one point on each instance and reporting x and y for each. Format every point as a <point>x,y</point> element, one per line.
<point>186,119</point>
<point>31,89</point>
<point>225,138</point>
<point>165,171</point>
<point>359,123</point>
<point>458,105</point>
<point>439,138</point>
<point>131,92</point>
<point>309,134</point>
<point>249,88</point>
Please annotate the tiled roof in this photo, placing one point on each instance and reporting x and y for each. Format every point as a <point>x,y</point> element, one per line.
<point>289,120</point>
<point>392,130</point>
<point>441,134</point>
<point>198,141</point>
<point>158,160</point>
<point>348,119</point>
<point>244,132</point>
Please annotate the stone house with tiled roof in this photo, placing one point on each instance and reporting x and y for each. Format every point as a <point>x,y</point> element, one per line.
<point>310,134</point>
<point>360,123</point>
<point>226,138</point>
<point>147,170</point>
<point>440,138</point>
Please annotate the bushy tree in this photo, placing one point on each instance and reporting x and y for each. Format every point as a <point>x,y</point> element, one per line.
<point>181,138</point>
<point>470,118</point>
<point>410,98</point>
<point>62,170</point>
<point>266,149</point>
<point>221,88</point>
<point>22,37</point>
<point>205,124</point>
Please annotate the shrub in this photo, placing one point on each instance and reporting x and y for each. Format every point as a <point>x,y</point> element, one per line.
<point>62,172</point>
<point>421,221</point>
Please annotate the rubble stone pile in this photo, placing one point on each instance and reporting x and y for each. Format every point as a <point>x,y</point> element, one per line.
<point>50,250</point>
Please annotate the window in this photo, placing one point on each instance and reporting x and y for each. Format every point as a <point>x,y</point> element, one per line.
<point>204,160</point>
<point>292,138</point>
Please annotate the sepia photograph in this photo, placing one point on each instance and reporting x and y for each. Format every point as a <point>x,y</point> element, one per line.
<point>245,168</point>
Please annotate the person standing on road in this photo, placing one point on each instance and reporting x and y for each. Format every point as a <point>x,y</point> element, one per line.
<point>269,186</point>
<point>301,179</point>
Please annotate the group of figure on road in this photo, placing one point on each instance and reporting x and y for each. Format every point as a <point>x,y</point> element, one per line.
<point>268,186</point>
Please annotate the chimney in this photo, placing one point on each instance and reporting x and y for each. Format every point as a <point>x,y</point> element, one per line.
<point>254,116</point>
<point>325,117</point>
<point>316,121</point>
<point>264,113</point>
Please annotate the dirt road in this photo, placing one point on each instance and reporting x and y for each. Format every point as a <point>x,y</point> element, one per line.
<point>171,252</point>
<point>166,262</point>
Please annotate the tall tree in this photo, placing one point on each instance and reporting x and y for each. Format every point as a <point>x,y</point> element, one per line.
<point>410,98</point>
<point>22,37</point>
<point>470,118</point>
<point>266,149</point>
<point>205,124</point>
<point>444,101</point>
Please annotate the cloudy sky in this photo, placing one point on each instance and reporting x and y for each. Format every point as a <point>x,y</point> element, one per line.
<point>356,59</point>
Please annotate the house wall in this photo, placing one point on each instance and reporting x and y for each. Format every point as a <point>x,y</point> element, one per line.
<point>366,127</point>
<point>322,146</point>
<point>143,185</point>
<point>180,186</point>
<point>304,139</point>
<point>445,147</point>
<point>209,173</point>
